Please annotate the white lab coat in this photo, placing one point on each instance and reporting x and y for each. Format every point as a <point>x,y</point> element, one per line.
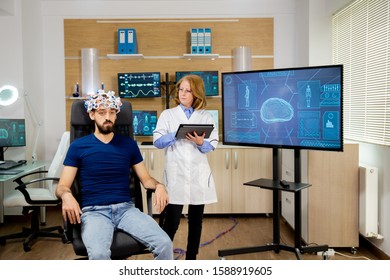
<point>187,173</point>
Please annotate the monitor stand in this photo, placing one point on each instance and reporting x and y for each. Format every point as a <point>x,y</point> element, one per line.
<point>277,186</point>
<point>2,154</point>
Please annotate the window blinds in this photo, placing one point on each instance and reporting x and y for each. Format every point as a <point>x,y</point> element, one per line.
<point>361,42</point>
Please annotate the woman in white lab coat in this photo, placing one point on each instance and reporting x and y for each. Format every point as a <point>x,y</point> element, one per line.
<point>187,174</point>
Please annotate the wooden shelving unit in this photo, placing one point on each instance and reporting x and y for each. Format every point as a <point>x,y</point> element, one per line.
<point>165,47</point>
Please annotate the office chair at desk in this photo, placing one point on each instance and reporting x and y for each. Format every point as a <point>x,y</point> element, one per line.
<point>32,198</point>
<point>123,245</point>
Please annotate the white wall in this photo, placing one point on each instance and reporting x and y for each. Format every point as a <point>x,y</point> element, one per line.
<point>11,66</point>
<point>35,57</point>
<point>33,72</point>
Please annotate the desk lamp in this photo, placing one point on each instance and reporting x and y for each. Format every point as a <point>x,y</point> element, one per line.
<point>8,95</point>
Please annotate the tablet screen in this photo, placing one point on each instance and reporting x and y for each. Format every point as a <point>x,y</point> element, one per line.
<point>190,128</point>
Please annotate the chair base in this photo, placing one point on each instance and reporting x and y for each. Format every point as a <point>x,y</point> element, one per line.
<point>32,233</point>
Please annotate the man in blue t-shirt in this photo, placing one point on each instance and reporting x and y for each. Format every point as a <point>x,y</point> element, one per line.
<point>103,160</point>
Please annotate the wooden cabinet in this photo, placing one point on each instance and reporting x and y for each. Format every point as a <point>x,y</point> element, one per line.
<point>330,206</point>
<point>232,167</point>
<point>219,161</point>
<point>333,199</point>
<point>154,160</point>
<point>250,164</point>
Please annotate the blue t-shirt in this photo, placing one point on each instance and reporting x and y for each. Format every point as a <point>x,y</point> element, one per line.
<point>104,169</point>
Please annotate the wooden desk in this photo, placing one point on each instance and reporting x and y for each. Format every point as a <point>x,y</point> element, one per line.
<point>26,168</point>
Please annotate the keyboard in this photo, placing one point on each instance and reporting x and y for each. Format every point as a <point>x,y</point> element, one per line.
<point>10,172</point>
<point>8,164</point>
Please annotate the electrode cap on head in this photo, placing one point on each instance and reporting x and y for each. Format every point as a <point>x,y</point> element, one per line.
<point>106,99</point>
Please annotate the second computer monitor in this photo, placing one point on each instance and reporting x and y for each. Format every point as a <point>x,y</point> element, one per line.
<point>210,79</point>
<point>144,122</point>
<point>139,85</point>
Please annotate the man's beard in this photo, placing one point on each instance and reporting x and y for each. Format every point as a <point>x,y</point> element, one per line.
<point>105,129</point>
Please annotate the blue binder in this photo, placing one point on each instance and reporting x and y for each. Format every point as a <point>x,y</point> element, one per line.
<point>194,40</point>
<point>122,41</point>
<point>132,47</point>
<point>200,40</point>
<point>207,40</point>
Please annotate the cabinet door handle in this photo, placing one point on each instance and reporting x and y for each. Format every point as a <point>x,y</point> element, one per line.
<point>235,160</point>
<point>143,155</point>
<point>151,160</point>
<point>227,160</point>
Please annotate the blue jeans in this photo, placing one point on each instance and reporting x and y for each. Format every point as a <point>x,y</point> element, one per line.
<point>99,222</point>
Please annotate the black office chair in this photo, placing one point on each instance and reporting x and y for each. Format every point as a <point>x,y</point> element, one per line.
<point>123,245</point>
<point>36,190</point>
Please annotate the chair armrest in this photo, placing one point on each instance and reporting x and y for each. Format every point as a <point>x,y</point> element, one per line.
<point>68,230</point>
<point>23,189</point>
<point>19,180</point>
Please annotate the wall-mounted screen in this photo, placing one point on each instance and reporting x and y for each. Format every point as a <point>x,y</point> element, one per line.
<point>144,122</point>
<point>210,79</point>
<point>139,85</point>
<point>284,108</point>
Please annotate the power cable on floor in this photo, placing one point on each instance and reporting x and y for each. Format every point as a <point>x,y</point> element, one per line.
<point>362,257</point>
<point>181,252</point>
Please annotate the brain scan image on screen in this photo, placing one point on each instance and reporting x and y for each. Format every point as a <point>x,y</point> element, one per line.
<point>276,110</point>
<point>295,107</point>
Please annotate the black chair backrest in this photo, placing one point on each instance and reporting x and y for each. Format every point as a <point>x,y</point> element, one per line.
<point>82,125</point>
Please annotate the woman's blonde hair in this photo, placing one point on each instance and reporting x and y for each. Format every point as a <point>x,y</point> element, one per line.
<point>197,89</point>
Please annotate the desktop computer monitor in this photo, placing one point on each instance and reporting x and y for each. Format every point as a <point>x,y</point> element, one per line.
<point>12,134</point>
<point>210,79</point>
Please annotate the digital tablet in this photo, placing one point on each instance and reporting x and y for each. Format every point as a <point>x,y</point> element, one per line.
<point>190,128</point>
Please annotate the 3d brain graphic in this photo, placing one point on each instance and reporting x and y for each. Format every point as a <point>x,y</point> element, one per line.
<point>276,110</point>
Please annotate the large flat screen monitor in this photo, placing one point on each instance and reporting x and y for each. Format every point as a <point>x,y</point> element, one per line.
<point>12,134</point>
<point>139,85</point>
<point>210,79</point>
<point>144,122</point>
<point>284,108</point>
